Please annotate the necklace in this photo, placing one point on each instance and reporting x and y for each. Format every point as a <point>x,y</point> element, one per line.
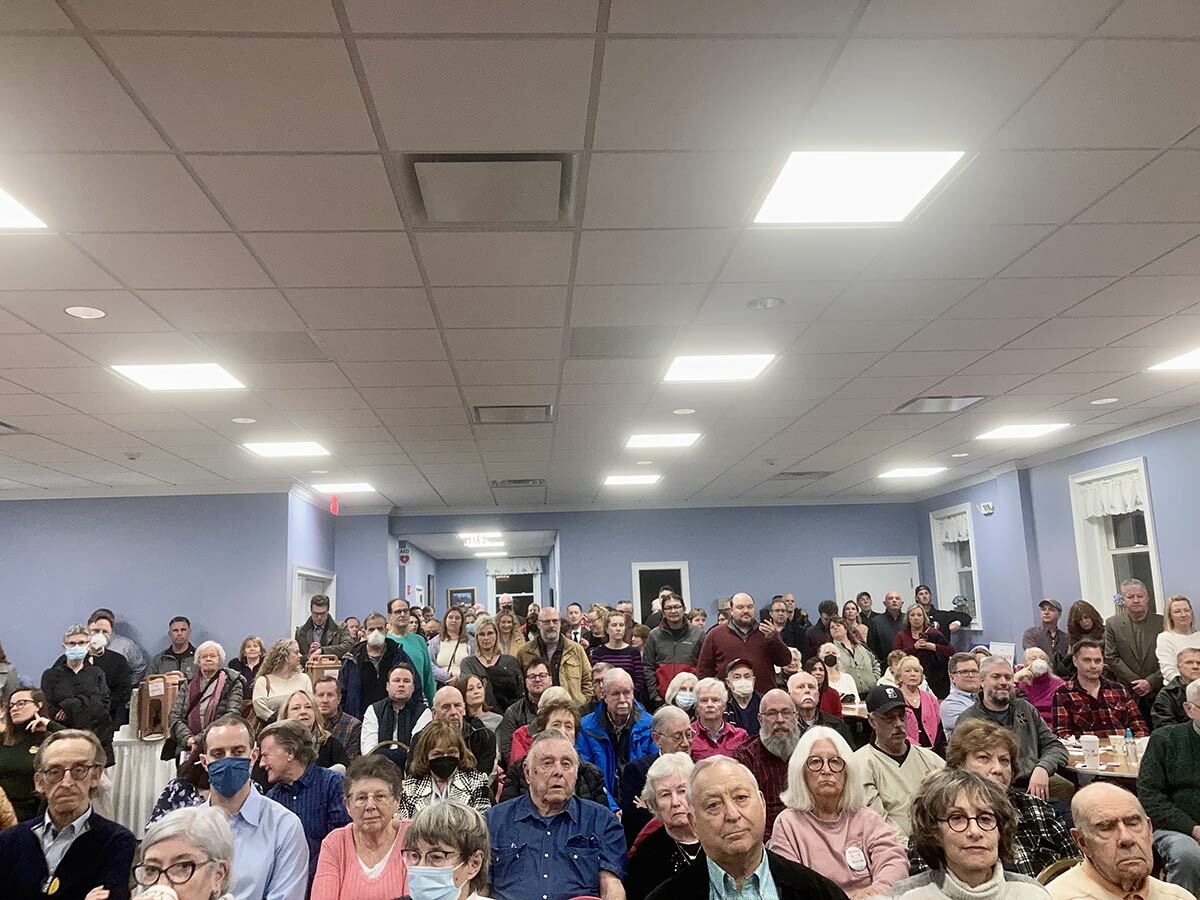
<point>690,856</point>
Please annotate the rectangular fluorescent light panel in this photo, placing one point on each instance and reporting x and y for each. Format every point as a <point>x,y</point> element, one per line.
<point>1017,432</point>
<point>349,487</point>
<point>646,441</point>
<point>743,367</point>
<point>1189,360</point>
<point>847,187</point>
<point>286,448</point>
<point>915,472</point>
<point>14,215</point>
<point>491,554</point>
<point>181,377</point>
<point>623,480</point>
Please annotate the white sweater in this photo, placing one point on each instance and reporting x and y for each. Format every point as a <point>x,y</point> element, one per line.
<point>1167,648</point>
<point>941,884</point>
<point>267,702</point>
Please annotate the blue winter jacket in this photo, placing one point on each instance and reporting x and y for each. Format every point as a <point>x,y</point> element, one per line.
<point>595,746</point>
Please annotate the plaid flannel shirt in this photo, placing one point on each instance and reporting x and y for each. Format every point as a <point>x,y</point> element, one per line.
<point>1042,837</point>
<point>1076,712</point>
<point>348,730</point>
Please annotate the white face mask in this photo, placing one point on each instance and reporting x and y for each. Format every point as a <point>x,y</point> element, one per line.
<point>375,639</point>
<point>99,640</point>
<point>685,699</point>
<point>741,687</point>
<point>1040,667</point>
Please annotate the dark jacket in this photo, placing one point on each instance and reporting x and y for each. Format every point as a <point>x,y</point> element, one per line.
<point>362,684</point>
<point>934,661</point>
<point>118,675</point>
<point>83,699</point>
<point>230,701</point>
<point>337,638</point>
<point>1169,780</point>
<point>1119,655</point>
<point>829,720</point>
<point>881,634</point>
<point>667,652</point>
<point>1038,745</point>
<point>523,712</point>
<point>170,661</point>
<point>100,857</point>
<point>792,880</point>
<point>1168,705</point>
<point>481,742</point>
<point>503,683</point>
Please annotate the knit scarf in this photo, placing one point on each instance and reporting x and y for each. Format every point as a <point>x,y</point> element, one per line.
<point>201,714</point>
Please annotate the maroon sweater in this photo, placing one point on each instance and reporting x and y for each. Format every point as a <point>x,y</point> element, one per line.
<point>723,645</point>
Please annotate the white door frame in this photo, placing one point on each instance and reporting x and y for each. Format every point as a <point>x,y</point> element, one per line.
<point>839,561</point>
<point>492,595</point>
<point>298,575</point>
<point>635,571</point>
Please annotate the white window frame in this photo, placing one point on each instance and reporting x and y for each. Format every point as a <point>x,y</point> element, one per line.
<point>946,577</point>
<point>635,573</point>
<point>492,595</point>
<point>300,610</point>
<point>1092,552</point>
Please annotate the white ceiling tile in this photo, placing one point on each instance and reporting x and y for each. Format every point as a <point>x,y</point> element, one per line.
<point>605,393</point>
<point>213,15</point>
<point>518,371</point>
<point>314,398</point>
<point>116,348</point>
<point>1104,360</point>
<point>33,14</point>
<point>706,94</point>
<point>413,435</point>
<point>68,423</point>
<point>762,337</point>
<point>1157,18</point>
<point>57,95</point>
<point>496,258</point>
<point>35,351</point>
<point>330,437</point>
<point>1018,362</point>
<point>149,420</point>
<point>362,307</point>
<point>927,93</point>
<point>511,307</point>
<point>259,193</point>
<point>976,385</point>
<point>505,343</point>
<point>1003,298</point>
<point>1184,261</point>
<point>1167,190</point>
<point>888,17</point>
<point>176,260</point>
<point>509,395</point>
<point>246,93</point>
<point>1089,332</point>
<point>411,397</point>
<point>467,16</point>
<point>921,363</point>
<point>1100,249</point>
<point>48,262</point>
<point>922,299</point>
<point>803,301</point>
<point>108,404</point>
<point>10,324</point>
<point>717,17</point>
<point>1138,295</point>
<point>1064,383</point>
<point>379,345</point>
<point>823,365</point>
<point>958,251</point>
<point>834,336</point>
<point>1113,94</point>
<point>109,192</point>
<point>1174,333</point>
<point>611,371</point>
<point>673,190</point>
<point>399,374</point>
<point>512,95</point>
<point>634,304</point>
<point>45,309</point>
<point>968,334</point>
<point>650,257</point>
<point>291,375</point>
<point>30,405</point>
<point>229,310</point>
<point>81,378</point>
<point>445,415</point>
<point>802,254</point>
<point>382,259</point>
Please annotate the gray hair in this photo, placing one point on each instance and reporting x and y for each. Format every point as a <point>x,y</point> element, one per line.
<point>707,763</point>
<point>1135,582</point>
<point>664,767</point>
<point>663,716</point>
<point>715,684</point>
<point>677,683</point>
<point>1184,652</point>
<point>550,734</point>
<point>70,734</point>
<point>938,792</point>
<point>76,629</point>
<point>220,651</point>
<point>798,796</point>
<point>616,673</point>
<point>990,661</point>
<point>1192,692</point>
<point>205,828</point>
<point>454,825</point>
<point>293,737</point>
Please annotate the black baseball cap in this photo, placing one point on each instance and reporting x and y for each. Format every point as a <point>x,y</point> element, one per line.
<point>883,698</point>
<point>738,663</point>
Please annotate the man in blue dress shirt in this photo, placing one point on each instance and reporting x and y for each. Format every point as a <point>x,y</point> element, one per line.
<point>551,845</point>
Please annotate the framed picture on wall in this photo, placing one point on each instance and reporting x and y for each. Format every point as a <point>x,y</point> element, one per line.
<point>460,597</point>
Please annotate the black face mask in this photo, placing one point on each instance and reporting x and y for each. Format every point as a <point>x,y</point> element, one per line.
<point>443,766</point>
<point>830,659</point>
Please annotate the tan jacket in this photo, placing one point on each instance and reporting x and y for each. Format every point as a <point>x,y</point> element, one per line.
<point>574,670</point>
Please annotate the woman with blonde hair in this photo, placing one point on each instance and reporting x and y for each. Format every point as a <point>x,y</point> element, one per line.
<point>924,713</point>
<point>508,632</point>
<point>452,645</point>
<point>279,677</point>
<point>442,768</point>
<point>922,639</point>
<point>1179,632</point>
<point>302,706</point>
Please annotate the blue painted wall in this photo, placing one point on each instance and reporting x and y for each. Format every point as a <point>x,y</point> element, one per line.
<point>416,575</point>
<point>309,535</point>
<point>460,573</point>
<point>364,577</point>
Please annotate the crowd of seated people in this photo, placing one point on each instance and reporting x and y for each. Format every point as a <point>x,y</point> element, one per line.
<point>557,755</point>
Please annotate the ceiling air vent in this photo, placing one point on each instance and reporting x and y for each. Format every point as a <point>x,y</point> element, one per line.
<point>519,483</point>
<point>455,189</point>
<point>513,415</point>
<point>798,476</point>
<point>938,404</point>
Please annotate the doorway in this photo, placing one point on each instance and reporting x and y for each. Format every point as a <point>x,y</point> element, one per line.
<point>876,575</point>
<point>650,577</point>
<point>306,584</point>
<point>522,588</point>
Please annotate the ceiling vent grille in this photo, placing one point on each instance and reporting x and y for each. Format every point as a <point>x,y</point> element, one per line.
<point>454,189</point>
<point>798,476</point>
<point>513,415</point>
<point>938,404</point>
<point>519,483</point>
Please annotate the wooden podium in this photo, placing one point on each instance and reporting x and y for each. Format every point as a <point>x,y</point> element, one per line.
<point>156,696</point>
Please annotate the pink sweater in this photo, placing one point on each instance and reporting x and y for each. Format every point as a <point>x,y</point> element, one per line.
<point>931,718</point>
<point>829,848</point>
<point>340,875</point>
<point>1040,692</point>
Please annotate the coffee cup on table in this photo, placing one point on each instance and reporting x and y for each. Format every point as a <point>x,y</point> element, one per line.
<point>1091,750</point>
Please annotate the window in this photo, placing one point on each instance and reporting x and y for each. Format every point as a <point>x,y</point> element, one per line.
<point>1114,532</point>
<point>954,561</point>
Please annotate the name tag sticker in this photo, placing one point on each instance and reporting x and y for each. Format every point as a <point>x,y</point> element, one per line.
<point>856,859</point>
<point>156,688</point>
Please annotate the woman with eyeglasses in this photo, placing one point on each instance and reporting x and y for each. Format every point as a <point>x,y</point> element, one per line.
<point>826,823</point>
<point>446,850</point>
<point>190,851</point>
<point>23,727</point>
<point>364,860</point>
<point>963,827</point>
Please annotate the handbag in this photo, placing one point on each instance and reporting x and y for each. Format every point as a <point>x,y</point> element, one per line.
<point>170,748</point>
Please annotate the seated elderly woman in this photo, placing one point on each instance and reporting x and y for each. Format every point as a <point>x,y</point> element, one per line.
<point>557,713</point>
<point>191,852</point>
<point>209,694</point>
<point>681,692</point>
<point>990,750</point>
<point>442,768</point>
<point>364,860</point>
<point>826,824</point>
<point>302,706</point>
<point>668,844</point>
<point>1039,683</point>
<point>963,827</point>
<point>446,849</point>
<point>712,735</point>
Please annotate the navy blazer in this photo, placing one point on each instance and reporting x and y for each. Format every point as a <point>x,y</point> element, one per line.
<point>100,857</point>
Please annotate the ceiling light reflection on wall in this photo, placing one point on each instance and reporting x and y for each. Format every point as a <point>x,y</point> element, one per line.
<point>463,535</point>
<point>491,554</point>
<point>180,377</point>
<point>733,367</point>
<point>1020,432</point>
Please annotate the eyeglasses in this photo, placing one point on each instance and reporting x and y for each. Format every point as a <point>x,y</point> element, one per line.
<point>965,672</point>
<point>540,676</point>
<point>359,801</point>
<point>79,772</point>
<point>677,737</point>
<point>177,873</point>
<point>959,821</point>
<point>436,858</point>
<point>816,764</point>
<point>779,713</point>
<point>19,704</point>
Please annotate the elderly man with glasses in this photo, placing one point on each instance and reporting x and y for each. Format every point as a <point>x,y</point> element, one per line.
<point>567,661</point>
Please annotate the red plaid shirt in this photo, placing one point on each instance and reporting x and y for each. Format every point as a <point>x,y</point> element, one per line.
<point>1111,711</point>
<point>771,772</point>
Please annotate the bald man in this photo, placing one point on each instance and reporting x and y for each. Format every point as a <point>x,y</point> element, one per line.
<point>616,732</point>
<point>741,638</point>
<point>449,706</point>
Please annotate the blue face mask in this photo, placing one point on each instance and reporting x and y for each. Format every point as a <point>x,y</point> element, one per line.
<point>470,628</point>
<point>432,883</point>
<point>685,700</point>
<point>229,775</point>
<point>75,654</point>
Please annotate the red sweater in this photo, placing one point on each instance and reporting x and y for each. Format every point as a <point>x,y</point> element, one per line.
<point>723,645</point>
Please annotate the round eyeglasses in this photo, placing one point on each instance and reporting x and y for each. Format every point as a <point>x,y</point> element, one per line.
<point>816,764</point>
<point>960,821</point>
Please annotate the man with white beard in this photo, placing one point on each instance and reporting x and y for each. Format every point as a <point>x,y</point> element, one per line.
<point>767,755</point>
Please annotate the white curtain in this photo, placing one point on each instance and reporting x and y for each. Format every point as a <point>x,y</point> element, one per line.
<point>514,566</point>
<point>1123,493</point>
<point>953,528</point>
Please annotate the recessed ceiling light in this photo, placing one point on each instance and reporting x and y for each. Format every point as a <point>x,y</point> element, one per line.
<point>1105,401</point>
<point>14,215</point>
<point>463,535</point>
<point>1189,360</point>
<point>492,554</point>
<point>742,367</point>
<point>645,462</point>
<point>841,187</point>
<point>181,377</point>
<point>318,471</point>
<point>1017,432</point>
<point>959,455</point>
<point>684,411</point>
<point>286,448</point>
<point>243,420</point>
<point>759,303</point>
<point>629,480</point>
<point>85,312</point>
<point>646,441</point>
<point>349,487</point>
<point>916,472</point>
